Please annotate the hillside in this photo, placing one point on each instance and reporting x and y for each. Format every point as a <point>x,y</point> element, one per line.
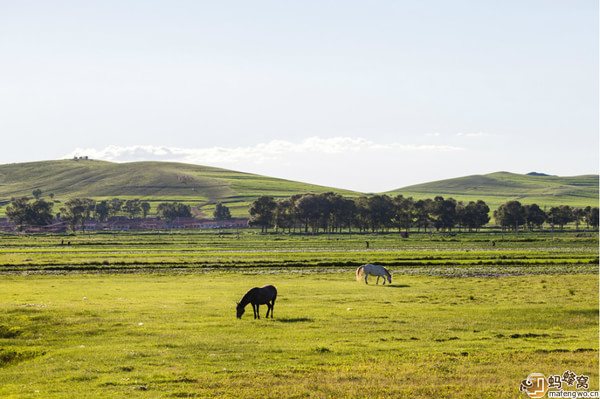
<point>199,186</point>
<point>497,188</point>
<point>202,186</point>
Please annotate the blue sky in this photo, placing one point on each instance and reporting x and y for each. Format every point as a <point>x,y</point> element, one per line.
<point>369,96</point>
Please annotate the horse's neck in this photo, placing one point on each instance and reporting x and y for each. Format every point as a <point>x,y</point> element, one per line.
<point>245,299</point>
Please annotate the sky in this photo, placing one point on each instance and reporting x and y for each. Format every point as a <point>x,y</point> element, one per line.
<point>368,96</point>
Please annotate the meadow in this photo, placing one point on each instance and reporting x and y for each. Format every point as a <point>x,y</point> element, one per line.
<point>153,315</point>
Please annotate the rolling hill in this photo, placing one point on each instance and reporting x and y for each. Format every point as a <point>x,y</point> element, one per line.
<point>500,187</point>
<point>199,186</point>
<point>202,186</point>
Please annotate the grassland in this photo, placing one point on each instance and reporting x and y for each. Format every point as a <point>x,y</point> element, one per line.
<point>129,315</point>
<point>201,187</point>
<point>500,187</point>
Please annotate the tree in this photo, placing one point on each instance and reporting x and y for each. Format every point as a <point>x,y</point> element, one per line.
<point>591,216</point>
<point>75,212</point>
<point>145,209</point>
<point>17,212</point>
<point>444,213</point>
<point>37,193</point>
<point>115,205</point>
<point>534,216</point>
<point>285,213</point>
<point>221,212</point>
<point>474,215</point>
<point>262,212</point>
<point>404,212</point>
<point>560,215</point>
<point>380,212</point>
<point>510,214</point>
<point>24,213</point>
<point>102,211</point>
<point>133,208</point>
<point>169,211</point>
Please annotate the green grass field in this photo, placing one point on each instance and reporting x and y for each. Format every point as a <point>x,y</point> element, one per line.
<point>462,319</point>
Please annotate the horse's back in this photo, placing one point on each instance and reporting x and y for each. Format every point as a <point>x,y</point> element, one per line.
<point>263,294</point>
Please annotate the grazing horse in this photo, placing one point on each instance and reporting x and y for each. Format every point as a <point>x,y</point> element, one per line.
<point>258,296</point>
<point>373,270</point>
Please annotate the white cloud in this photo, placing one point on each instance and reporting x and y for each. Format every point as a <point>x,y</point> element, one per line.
<point>343,162</point>
<point>262,152</point>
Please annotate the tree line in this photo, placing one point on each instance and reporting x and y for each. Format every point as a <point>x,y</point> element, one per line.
<point>330,212</point>
<point>24,212</point>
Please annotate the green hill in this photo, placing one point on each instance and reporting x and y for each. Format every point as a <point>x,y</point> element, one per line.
<point>199,186</point>
<point>202,186</point>
<point>497,188</point>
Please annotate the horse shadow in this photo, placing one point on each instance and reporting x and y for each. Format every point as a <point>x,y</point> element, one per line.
<point>397,285</point>
<point>294,320</point>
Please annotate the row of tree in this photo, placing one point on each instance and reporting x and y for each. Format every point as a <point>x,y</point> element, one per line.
<point>78,211</point>
<point>332,212</point>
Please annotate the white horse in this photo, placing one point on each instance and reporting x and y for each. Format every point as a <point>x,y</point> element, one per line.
<point>373,270</point>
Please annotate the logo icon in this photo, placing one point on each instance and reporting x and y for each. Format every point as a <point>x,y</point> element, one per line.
<point>535,385</point>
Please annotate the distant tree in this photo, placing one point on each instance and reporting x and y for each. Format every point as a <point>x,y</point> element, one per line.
<point>404,212</point>
<point>560,215</point>
<point>102,211</point>
<point>41,213</point>
<point>24,213</point>
<point>145,209</point>
<point>262,212</point>
<point>115,206</point>
<point>17,212</point>
<point>221,212</point>
<point>534,216</point>
<point>133,208</point>
<point>75,212</point>
<point>578,216</point>
<point>37,193</point>
<point>423,213</point>
<point>591,216</point>
<point>474,215</point>
<point>380,212</point>
<point>444,213</point>
<point>510,214</point>
<point>285,213</point>
<point>169,211</point>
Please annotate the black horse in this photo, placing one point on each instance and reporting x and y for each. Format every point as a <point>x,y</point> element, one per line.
<point>258,296</point>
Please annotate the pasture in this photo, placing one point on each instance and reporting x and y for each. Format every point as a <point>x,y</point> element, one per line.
<point>462,319</point>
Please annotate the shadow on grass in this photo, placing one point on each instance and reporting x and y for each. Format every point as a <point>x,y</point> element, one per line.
<point>294,320</point>
<point>397,285</point>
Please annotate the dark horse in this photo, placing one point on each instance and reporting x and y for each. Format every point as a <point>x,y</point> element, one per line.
<point>258,296</point>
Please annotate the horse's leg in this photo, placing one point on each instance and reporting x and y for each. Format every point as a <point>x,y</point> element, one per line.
<point>257,311</point>
<point>254,309</point>
<point>272,307</point>
<point>366,282</point>
<point>269,310</point>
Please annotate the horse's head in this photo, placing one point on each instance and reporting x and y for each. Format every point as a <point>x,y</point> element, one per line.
<point>240,310</point>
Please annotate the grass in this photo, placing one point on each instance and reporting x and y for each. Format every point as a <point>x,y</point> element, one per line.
<point>153,315</point>
<point>177,336</point>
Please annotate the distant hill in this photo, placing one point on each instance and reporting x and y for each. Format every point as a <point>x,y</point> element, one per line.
<point>199,186</point>
<point>497,188</point>
<point>202,187</point>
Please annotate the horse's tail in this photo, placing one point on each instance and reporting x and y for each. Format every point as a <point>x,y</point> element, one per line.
<point>359,272</point>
